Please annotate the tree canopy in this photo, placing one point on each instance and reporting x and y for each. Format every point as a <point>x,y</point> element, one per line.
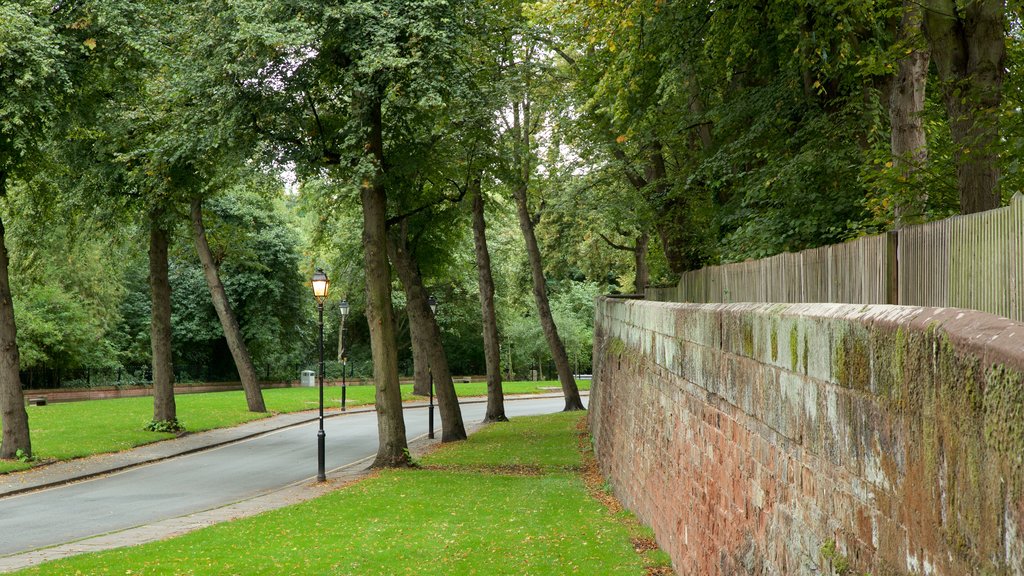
<point>608,145</point>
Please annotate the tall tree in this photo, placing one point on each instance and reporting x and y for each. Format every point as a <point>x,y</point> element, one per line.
<point>232,332</point>
<point>12,402</point>
<point>523,126</point>
<point>45,48</point>
<point>165,413</point>
<point>424,329</point>
<point>380,314</point>
<point>909,142</point>
<point>492,348</point>
<point>967,41</point>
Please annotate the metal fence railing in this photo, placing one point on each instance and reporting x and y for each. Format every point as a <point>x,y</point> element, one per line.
<point>974,261</point>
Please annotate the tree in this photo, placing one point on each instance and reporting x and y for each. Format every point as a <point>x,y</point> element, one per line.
<point>909,142</point>
<point>968,45</point>
<point>492,350</point>
<point>239,351</point>
<point>164,407</point>
<point>424,330</point>
<point>520,133</point>
<point>48,45</point>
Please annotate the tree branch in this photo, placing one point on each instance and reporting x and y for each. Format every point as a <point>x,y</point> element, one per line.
<point>635,179</point>
<point>444,198</point>
<point>622,247</point>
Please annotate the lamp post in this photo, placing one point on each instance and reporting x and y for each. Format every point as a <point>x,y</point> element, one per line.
<point>320,286</point>
<point>344,356</point>
<point>432,302</point>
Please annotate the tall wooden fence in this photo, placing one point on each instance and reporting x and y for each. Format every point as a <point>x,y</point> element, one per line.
<point>974,261</point>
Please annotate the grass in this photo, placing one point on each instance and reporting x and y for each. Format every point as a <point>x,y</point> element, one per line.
<point>469,510</point>
<point>69,430</point>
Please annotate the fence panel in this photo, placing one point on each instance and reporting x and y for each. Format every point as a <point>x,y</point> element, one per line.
<point>974,261</point>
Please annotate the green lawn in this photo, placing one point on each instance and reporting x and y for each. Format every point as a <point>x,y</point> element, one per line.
<point>74,429</point>
<point>469,510</point>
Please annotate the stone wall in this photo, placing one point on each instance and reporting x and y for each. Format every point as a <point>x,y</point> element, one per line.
<point>815,438</point>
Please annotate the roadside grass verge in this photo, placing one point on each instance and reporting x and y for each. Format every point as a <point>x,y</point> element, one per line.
<point>476,507</point>
<point>68,430</point>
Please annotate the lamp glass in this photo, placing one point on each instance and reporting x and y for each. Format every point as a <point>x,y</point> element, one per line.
<point>432,302</point>
<point>344,308</point>
<point>320,285</point>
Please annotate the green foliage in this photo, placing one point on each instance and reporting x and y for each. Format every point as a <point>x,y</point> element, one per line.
<point>838,563</point>
<point>258,256</point>
<point>173,426</point>
<point>772,120</point>
<point>57,329</point>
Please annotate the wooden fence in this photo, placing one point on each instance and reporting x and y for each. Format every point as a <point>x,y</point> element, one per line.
<point>974,261</point>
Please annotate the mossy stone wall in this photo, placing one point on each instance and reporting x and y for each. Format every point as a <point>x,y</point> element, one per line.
<point>754,437</point>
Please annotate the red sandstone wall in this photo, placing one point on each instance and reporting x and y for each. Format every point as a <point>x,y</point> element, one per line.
<point>753,437</point>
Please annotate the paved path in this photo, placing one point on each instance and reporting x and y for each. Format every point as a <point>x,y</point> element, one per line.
<point>176,486</point>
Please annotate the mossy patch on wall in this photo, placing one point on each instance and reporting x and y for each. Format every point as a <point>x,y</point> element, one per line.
<point>747,324</point>
<point>794,350</point>
<point>775,341</point>
<point>1004,422</point>
<point>851,358</point>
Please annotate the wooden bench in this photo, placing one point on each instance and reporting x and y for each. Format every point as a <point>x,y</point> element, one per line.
<point>37,401</point>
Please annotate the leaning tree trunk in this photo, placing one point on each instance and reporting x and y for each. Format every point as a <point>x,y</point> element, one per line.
<point>393,449</point>
<point>233,334</point>
<point>968,46</point>
<point>12,400</point>
<point>540,294</point>
<point>160,326</point>
<point>423,329</point>
<point>906,108</point>
<point>492,350</point>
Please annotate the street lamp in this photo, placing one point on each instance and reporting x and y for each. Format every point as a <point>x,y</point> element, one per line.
<point>320,287</point>
<point>344,357</point>
<point>432,302</point>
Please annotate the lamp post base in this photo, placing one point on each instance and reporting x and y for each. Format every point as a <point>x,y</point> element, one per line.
<point>430,419</point>
<point>321,474</point>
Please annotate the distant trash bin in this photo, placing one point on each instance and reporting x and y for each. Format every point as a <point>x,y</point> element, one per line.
<point>307,378</point>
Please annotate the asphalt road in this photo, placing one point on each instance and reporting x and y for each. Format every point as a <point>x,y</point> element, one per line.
<point>205,480</point>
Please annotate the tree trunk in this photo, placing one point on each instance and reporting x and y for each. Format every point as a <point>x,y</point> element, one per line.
<point>968,46</point>
<point>420,360</point>
<point>12,400</point>
<point>906,107</point>
<point>521,126</point>
<point>640,255</point>
<point>492,350</point>
<point>540,294</point>
<point>393,449</point>
<point>233,334</point>
<point>423,328</point>
<point>160,327</point>
<point>673,217</point>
